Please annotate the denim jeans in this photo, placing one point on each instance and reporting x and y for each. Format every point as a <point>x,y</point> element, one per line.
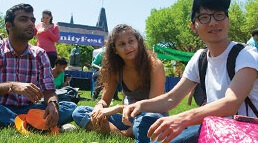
<point>141,123</point>
<point>189,135</point>
<point>81,116</point>
<point>8,113</point>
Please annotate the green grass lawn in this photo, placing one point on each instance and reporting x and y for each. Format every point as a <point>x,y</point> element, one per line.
<point>10,135</point>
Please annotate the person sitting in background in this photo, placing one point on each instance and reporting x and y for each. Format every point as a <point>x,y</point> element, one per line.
<point>96,67</point>
<point>141,75</point>
<point>86,67</point>
<point>58,73</point>
<point>26,74</point>
<point>253,41</point>
<point>47,34</point>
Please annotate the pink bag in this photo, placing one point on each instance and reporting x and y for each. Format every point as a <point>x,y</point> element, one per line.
<point>224,130</point>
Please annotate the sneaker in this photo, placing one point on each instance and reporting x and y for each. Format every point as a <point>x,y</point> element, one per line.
<point>67,128</point>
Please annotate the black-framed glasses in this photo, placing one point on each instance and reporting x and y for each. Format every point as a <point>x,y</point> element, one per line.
<point>206,18</point>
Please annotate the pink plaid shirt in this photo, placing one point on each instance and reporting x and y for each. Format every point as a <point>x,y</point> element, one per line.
<point>32,66</point>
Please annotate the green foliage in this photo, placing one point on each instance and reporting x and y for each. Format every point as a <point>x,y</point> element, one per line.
<point>251,16</point>
<point>237,20</point>
<point>170,26</point>
<point>64,50</point>
<point>2,25</point>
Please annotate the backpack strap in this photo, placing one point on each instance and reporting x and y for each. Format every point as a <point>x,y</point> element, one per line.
<point>251,105</point>
<point>231,64</point>
<point>231,60</point>
<point>202,66</point>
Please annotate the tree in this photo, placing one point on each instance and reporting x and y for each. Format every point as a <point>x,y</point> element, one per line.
<point>64,50</point>
<point>170,27</point>
<point>237,21</point>
<point>251,16</point>
<point>2,25</point>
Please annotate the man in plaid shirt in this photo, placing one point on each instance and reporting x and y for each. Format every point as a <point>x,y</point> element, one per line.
<point>25,73</point>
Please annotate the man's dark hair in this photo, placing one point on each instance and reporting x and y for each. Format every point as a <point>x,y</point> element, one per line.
<point>48,12</point>
<point>10,13</point>
<point>217,5</point>
<point>255,32</point>
<point>61,61</point>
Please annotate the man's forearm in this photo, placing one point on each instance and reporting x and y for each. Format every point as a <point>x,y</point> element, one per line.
<point>5,88</point>
<point>222,108</point>
<point>162,103</point>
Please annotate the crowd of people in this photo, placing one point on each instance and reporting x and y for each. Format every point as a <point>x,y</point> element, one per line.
<point>29,73</point>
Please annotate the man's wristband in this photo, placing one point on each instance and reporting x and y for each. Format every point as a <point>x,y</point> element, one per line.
<point>10,88</point>
<point>55,103</point>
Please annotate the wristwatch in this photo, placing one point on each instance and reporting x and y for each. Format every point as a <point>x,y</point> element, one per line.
<point>55,102</point>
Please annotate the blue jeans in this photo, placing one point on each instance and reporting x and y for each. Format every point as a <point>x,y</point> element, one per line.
<point>141,123</point>
<point>8,113</point>
<point>189,135</point>
<point>81,116</point>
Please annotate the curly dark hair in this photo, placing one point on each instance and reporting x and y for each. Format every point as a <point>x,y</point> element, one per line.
<point>112,63</point>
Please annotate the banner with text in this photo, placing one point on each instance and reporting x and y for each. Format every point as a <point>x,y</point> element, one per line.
<point>81,39</point>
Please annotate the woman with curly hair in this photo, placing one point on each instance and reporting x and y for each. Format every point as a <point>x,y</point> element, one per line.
<point>141,75</point>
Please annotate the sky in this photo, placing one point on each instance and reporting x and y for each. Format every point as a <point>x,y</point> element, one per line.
<point>86,12</point>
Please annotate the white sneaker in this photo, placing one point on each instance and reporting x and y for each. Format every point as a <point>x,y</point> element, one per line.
<point>67,128</point>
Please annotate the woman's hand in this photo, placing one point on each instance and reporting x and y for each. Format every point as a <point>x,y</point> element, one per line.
<point>97,117</point>
<point>131,111</point>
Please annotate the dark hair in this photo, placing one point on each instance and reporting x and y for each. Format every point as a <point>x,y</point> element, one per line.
<point>61,61</point>
<point>217,5</point>
<point>10,13</point>
<point>112,63</point>
<point>48,12</point>
<point>255,32</point>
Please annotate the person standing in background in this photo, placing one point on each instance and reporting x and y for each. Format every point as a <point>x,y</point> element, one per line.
<point>253,41</point>
<point>47,34</point>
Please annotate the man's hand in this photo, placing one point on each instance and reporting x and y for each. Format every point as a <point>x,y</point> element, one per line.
<point>30,90</point>
<point>130,111</point>
<point>51,114</point>
<point>166,128</point>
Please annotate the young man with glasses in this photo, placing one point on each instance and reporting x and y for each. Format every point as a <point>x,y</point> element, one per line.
<point>210,21</point>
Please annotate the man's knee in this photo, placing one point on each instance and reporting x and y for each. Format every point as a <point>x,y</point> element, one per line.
<point>142,124</point>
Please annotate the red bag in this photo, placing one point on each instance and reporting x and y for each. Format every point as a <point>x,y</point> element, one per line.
<point>224,130</point>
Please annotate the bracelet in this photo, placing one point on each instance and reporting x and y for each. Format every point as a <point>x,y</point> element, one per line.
<point>10,88</point>
<point>55,103</point>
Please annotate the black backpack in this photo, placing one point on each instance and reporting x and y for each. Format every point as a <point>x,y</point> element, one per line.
<point>200,90</point>
<point>68,93</point>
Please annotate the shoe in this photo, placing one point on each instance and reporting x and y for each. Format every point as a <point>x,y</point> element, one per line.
<point>67,128</point>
